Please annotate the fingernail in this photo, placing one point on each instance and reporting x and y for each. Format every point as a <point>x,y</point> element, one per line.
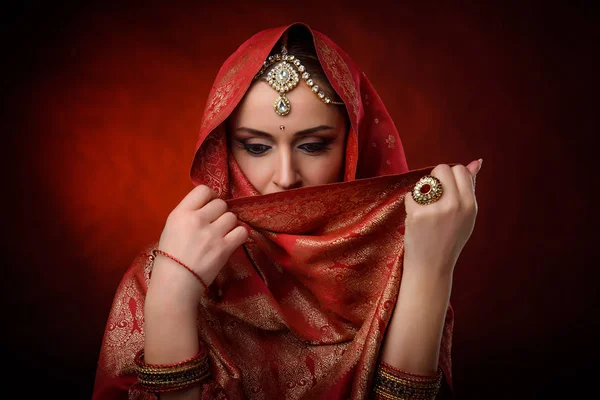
<point>480,163</point>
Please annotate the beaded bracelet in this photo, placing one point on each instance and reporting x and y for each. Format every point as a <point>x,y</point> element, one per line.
<point>394,384</point>
<point>164,253</point>
<point>159,378</point>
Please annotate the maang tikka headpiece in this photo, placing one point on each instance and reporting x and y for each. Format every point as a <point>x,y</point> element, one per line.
<point>285,76</point>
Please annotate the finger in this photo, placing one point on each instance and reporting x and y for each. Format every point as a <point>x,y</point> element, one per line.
<point>197,198</point>
<point>224,224</point>
<point>475,166</point>
<point>213,210</point>
<point>236,238</point>
<point>450,192</point>
<point>464,178</point>
<point>409,202</point>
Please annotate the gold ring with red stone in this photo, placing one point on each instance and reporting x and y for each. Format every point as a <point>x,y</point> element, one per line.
<point>427,190</point>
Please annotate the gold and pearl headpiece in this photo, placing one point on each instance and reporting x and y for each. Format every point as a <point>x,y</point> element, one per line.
<point>285,75</point>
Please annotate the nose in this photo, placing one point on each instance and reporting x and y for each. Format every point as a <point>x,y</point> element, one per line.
<point>286,175</point>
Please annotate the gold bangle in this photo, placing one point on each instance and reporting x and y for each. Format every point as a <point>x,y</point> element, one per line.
<point>394,384</point>
<point>158,378</point>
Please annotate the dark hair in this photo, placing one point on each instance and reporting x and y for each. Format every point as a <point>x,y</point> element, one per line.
<point>299,43</point>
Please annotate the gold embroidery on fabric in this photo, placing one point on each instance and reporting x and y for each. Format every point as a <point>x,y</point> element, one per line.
<point>124,332</point>
<point>292,369</point>
<point>326,325</point>
<point>308,308</point>
<point>249,251</point>
<point>341,72</point>
<point>390,141</point>
<point>256,310</point>
<point>221,96</point>
<point>236,270</point>
<point>227,87</point>
<point>212,168</point>
<point>223,91</point>
<point>149,265</point>
<point>274,215</point>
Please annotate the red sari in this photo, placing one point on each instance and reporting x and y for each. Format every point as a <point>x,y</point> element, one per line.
<point>300,310</point>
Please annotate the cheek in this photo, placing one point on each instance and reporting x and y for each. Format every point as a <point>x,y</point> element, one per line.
<point>322,170</point>
<point>256,169</point>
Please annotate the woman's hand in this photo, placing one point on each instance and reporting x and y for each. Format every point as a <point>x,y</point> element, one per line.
<point>436,233</point>
<point>202,234</point>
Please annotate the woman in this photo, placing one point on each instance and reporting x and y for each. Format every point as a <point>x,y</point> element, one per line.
<point>298,266</point>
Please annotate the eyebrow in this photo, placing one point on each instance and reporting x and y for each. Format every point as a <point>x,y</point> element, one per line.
<point>299,133</point>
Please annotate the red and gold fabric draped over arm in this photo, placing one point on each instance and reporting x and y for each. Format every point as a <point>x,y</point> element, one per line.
<point>300,310</point>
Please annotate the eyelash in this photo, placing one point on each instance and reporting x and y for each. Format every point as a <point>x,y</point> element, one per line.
<point>258,150</point>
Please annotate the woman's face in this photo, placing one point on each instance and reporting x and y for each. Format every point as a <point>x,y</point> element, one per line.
<point>276,153</point>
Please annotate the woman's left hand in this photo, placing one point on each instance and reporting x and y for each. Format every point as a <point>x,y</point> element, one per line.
<point>436,233</point>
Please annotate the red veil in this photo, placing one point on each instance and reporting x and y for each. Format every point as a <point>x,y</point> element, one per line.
<point>301,309</point>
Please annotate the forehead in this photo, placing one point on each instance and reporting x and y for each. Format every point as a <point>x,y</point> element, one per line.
<point>256,109</point>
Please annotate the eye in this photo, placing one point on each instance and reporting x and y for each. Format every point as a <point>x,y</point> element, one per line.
<point>315,147</point>
<point>256,149</point>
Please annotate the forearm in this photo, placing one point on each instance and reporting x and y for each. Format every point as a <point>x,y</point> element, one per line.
<point>170,324</point>
<point>412,341</point>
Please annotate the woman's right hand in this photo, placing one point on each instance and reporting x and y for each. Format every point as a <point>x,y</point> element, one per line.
<point>202,234</point>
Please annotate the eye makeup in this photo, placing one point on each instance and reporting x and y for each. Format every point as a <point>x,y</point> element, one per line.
<point>310,148</point>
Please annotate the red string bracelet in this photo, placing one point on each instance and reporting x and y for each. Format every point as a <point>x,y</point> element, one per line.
<point>393,370</point>
<point>139,360</point>
<point>164,253</point>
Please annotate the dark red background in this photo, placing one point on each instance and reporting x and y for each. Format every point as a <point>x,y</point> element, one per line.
<point>101,108</point>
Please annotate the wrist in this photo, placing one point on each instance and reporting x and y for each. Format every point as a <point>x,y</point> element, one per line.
<point>172,284</point>
<point>426,274</point>
<point>422,289</point>
<point>433,268</point>
<point>412,341</point>
<point>162,311</point>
